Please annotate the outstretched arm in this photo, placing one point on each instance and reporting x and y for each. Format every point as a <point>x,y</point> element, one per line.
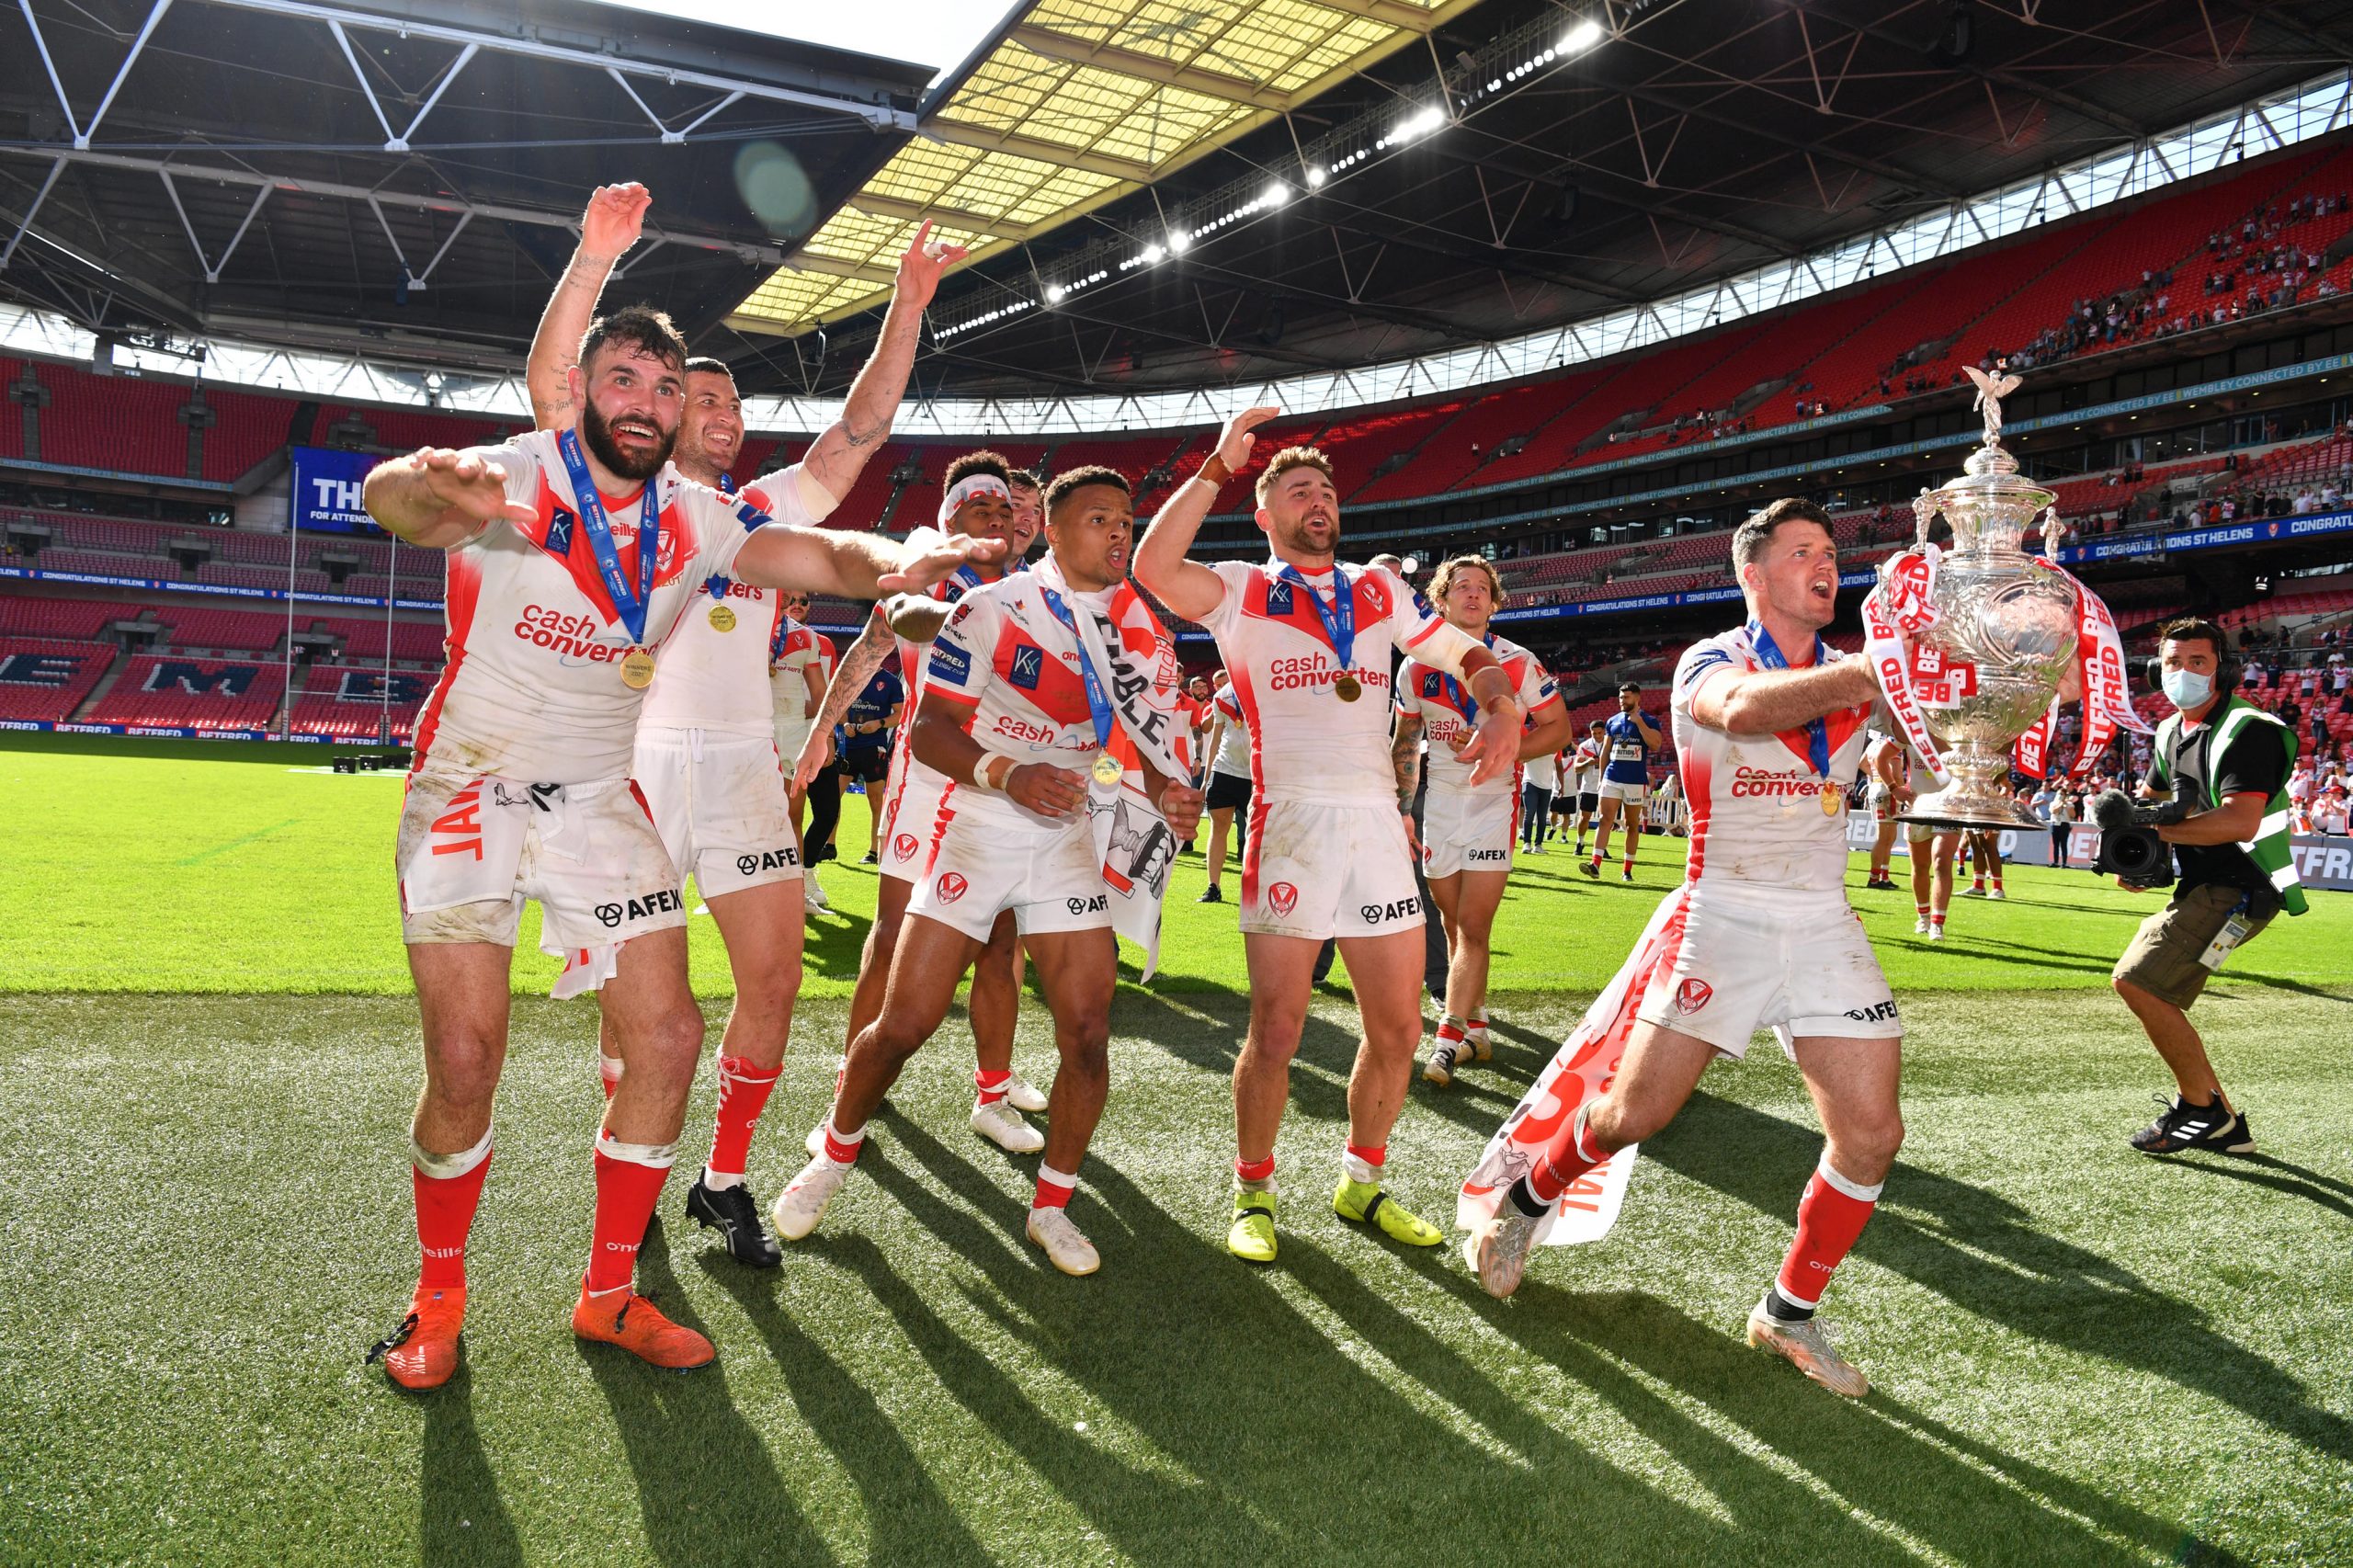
<point>1761,702</point>
<point>1186,586</point>
<point>615,218</point>
<point>434,498</point>
<point>837,455</point>
<point>851,565</point>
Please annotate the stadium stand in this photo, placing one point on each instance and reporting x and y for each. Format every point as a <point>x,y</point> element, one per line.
<point>45,679</point>
<point>193,693</point>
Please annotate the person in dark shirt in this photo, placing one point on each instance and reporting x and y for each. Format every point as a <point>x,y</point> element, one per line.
<point>2224,764</point>
<point>864,746</point>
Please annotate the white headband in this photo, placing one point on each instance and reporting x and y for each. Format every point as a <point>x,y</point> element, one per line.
<point>964,489</point>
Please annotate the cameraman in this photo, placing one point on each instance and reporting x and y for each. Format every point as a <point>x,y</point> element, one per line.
<point>2224,763</point>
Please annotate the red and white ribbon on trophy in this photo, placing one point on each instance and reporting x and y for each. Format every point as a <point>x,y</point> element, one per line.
<point>2107,704</point>
<point>1904,602</point>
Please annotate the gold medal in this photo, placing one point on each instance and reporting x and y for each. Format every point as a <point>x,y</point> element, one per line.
<point>637,669</point>
<point>1833,800</point>
<point>721,618</point>
<point>1108,770</point>
<point>1346,687</point>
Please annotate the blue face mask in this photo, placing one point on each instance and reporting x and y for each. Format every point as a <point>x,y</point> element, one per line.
<point>2186,688</point>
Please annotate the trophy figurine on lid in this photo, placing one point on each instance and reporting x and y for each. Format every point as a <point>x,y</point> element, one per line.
<point>1974,643</point>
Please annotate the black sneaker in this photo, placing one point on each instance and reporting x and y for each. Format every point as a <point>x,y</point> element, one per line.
<point>1213,896</point>
<point>1880,884</point>
<point>869,858</point>
<point>735,1214</point>
<point>2184,1127</point>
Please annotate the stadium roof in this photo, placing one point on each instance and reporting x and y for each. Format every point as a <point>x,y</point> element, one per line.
<point>1073,103</point>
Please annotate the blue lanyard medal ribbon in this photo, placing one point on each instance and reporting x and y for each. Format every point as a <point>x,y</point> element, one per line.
<point>1339,620</point>
<point>637,666</point>
<point>1464,703</point>
<point>1106,768</point>
<point>1817,731</point>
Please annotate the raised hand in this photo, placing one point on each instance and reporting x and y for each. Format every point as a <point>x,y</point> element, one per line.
<point>468,484</point>
<point>1235,441</point>
<point>923,264</point>
<point>615,218</point>
<point>1048,790</point>
<point>938,564</point>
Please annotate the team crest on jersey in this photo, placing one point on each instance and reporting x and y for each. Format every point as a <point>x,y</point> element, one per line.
<point>951,887</point>
<point>964,611</point>
<point>1027,661</point>
<point>904,846</point>
<point>1692,996</point>
<point>1282,898</point>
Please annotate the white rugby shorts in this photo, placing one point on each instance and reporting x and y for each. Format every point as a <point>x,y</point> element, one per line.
<point>1740,957</point>
<point>790,736</point>
<point>718,801</point>
<point>911,818</point>
<point>1632,794</point>
<point>1469,830</point>
<point>973,868</point>
<point>1316,871</point>
<point>470,850</point>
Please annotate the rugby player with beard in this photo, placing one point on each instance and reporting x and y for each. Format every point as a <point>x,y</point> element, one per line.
<point>571,559</point>
<point>1307,644</point>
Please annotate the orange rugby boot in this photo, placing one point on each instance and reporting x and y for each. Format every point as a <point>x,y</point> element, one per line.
<point>629,1320</point>
<point>421,1352</point>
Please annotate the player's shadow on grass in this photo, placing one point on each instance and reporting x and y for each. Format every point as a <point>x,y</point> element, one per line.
<point>462,1517</point>
<point>1319,1073</point>
<point>1932,1229</point>
<point>834,948</point>
<point>2280,1176</point>
<point>1278,1430</point>
<point>706,1490</point>
<point>1883,1458</point>
<point>908,1519</point>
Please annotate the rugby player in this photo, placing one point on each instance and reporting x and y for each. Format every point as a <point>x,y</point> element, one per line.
<point>1769,724</point>
<point>1985,861</point>
<point>1015,713</point>
<point>1307,642</point>
<point>976,502</point>
<point>796,685</point>
<point>1883,766</point>
<point>1629,738</point>
<point>1932,851</point>
<point>707,759</point>
<point>1585,774</point>
<point>1467,831</point>
<point>572,556</point>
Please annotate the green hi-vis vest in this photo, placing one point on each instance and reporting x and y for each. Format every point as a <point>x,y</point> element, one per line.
<point>2269,848</point>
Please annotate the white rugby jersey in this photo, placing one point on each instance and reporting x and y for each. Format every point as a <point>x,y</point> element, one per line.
<point>1448,714</point>
<point>1234,741</point>
<point>708,679</point>
<point>1584,767</point>
<point>1011,660</point>
<point>914,663</point>
<point>1307,744</point>
<point>1761,812</point>
<point>533,687</point>
<point>796,651</point>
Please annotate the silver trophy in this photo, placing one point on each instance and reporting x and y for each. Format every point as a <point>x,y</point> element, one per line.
<point>2005,633</point>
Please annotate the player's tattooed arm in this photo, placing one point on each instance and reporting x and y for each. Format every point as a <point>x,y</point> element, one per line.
<point>914,617</point>
<point>837,455</point>
<point>852,565</point>
<point>1755,703</point>
<point>436,498</point>
<point>858,666</point>
<point>615,218</point>
<point>1190,589</point>
<point>1405,757</point>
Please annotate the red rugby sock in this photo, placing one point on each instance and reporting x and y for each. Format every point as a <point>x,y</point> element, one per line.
<point>743,1093</point>
<point>445,1211</point>
<point>990,1086</point>
<point>1566,1157</point>
<point>628,1183</point>
<point>1830,1216</point>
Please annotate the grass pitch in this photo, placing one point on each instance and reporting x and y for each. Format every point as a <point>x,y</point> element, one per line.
<point>2081,1355</point>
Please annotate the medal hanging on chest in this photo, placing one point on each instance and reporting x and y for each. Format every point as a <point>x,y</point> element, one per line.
<point>1339,620</point>
<point>629,603</point>
<point>1106,768</point>
<point>721,618</point>
<point>1833,799</point>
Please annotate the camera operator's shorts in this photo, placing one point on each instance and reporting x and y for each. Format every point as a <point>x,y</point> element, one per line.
<point>719,803</point>
<point>1589,802</point>
<point>1736,957</point>
<point>975,868</point>
<point>1469,830</point>
<point>470,850</point>
<point>2164,957</point>
<point>1316,869</point>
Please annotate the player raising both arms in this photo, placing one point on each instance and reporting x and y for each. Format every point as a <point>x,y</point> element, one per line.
<point>1769,727</point>
<point>1468,830</point>
<point>1629,738</point>
<point>1018,714</point>
<point>1306,642</point>
<point>572,556</point>
<point>977,502</point>
<point>706,758</point>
